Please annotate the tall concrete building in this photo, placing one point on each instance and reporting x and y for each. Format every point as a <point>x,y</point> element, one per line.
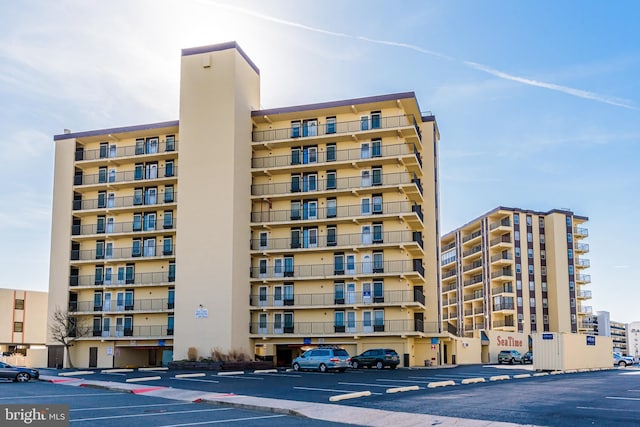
<point>240,228</point>
<point>515,270</point>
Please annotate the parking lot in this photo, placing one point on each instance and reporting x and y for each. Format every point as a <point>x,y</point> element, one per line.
<point>496,393</point>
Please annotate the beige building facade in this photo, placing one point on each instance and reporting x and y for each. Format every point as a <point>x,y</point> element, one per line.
<point>516,271</point>
<point>23,320</point>
<point>240,228</point>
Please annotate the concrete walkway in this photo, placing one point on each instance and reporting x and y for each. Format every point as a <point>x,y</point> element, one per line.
<point>318,411</point>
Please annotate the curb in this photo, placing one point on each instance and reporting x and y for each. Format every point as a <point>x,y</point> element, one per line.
<point>345,396</point>
<point>499,377</point>
<point>472,380</point>
<point>402,389</point>
<point>441,384</point>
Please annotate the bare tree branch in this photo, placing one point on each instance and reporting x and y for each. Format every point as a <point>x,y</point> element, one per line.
<point>65,329</point>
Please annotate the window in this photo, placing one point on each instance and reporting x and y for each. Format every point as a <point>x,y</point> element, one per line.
<point>149,221</point>
<point>136,249</point>
<point>19,304</point>
<point>530,253</point>
<point>572,285</point>
<point>262,267</point>
<point>570,269</point>
<point>104,146</point>
<point>541,222</point>
<point>569,237</point>
<point>151,170</point>
<point>376,173</point>
<point>172,272</point>
<point>376,148</point>
<point>543,254</point>
<point>102,174</point>
<point>295,210</point>
<point>518,268</point>
<point>310,127</point>
<point>295,238</point>
<point>332,208</point>
<point>288,266</point>
<point>332,239</point>
<point>331,152</point>
<point>529,237</point>
<point>378,262</point>
<point>100,249</point>
<point>545,303</point>
<point>295,129</point>
<point>378,320</point>
<point>519,301</point>
<point>150,196</point>
<point>310,238</point>
<point>139,146</point>
<point>100,224</point>
<point>572,302</point>
<point>168,219</point>
<point>516,218</point>
<point>17,326</point>
<point>365,178</point>
<point>543,270</point>
<point>170,324</point>
<point>377,232</point>
<point>331,125</point>
<point>365,206</point>
<point>533,318</point>
<point>295,183</point>
<point>530,269</point>
<point>138,171</point>
<point>168,194</point>
<point>151,145</point>
<point>516,235</point>
<point>529,220</point>
<point>568,221</point>
<point>331,180</point>
<point>570,253</point>
<point>338,264</point>
<point>365,150</point>
<point>545,319</point>
<point>448,257</point>
<point>263,240</point>
<point>167,245</point>
<point>338,292</point>
<point>168,168</point>
<point>377,203</point>
<point>517,250</point>
<point>376,118</point>
<point>278,267</point>
<point>339,321</point>
<point>532,286</point>
<point>295,156</point>
<point>378,291</point>
<point>364,123</point>
<point>532,302</point>
<point>519,285</point>
<point>170,143</point>
<point>310,182</point>
<point>544,286</point>
<point>542,239</point>
<point>149,247</point>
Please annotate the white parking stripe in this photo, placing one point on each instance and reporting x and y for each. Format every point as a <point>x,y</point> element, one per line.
<point>396,381</point>
<point>195,379</point>
<point>330,390</point>
<point>239,378</point>
<point>128,407</point>
<point>366,384</point>
<point>276,375</point>
<point>607,409</point>
<point>114,417</point>
<point>622,398</point>
<point>56,395</point>
<point>232,420</point>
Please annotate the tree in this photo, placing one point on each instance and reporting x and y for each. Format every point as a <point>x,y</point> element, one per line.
<point>64,329</point>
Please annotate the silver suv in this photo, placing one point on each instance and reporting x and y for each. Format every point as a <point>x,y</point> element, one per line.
<point>322,359</point>
<point>510,357</point>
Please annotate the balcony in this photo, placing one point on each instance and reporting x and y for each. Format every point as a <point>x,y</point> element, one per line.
<point>503,323</point>
<point>580,232</point>
<point>118,254</point>
<point>148,331</point>
<point>504,306</point>
<point>134,202</point>
<point>447,274</point>
<point>474,265</point>
<point>583,278</point>
<point>581,247</point>
<point>410,240</point>
<point>505,289</point>
<point>585,309</point>
<point>583,294</point>
<point>409,269</point>
<point>448,246</point>
<point>502,258</point>
<point>504,222</point>
<point>107,153</point>
<point>408,154</point>
<point>504,274</point>
<point>504,240</point>
<point>297,301</point>
<point>452,315</point>
<point>472,236</point>
<point>375,327</point>
<point>405,124</point>
<point>122,228</point>
<point>474,280</point>
<point>160,278</point>
<point>124,177</point>
<point>137,305</point>
<point>582,263</point>
<point>472,251</point>
<point>474,296</point>
<point>403,180</point>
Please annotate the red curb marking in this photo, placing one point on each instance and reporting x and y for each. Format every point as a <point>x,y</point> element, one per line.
<point>64,380</point>
<point>145,390</point>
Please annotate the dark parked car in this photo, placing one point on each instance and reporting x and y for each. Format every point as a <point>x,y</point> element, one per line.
<point>378,357</point>
<point>510,356</point>
<point>17,373</point>
<point>527,357</point>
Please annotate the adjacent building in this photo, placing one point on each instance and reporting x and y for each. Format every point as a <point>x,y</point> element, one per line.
<point>23,320</point>
<point>633,339</point>
<point>516,272</point>
<point>249,229</point>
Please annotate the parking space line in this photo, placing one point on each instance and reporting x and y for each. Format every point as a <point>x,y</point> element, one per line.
<point>113,417</point>
<point>330,390</point>
<point>622,398</point>
<point>365,384</point>
<point>195,379</point>
<point>231,420</point>
<point>98,408</point>
<point>56,395</point>
<point>395,381</point>
<point>238,378</point>
<point>276,375</point>
<point>607,409</point>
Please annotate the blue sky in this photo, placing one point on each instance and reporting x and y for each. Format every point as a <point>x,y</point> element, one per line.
<point>538,103</point>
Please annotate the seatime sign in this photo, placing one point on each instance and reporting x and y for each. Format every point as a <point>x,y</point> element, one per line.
<point>508,341</point>
<point>591,340</point>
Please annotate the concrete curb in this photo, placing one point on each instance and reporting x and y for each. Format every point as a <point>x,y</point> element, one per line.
<point>230,373</point>
<point>522,376</point>
<point>190,375</point>
<point>345,396</point>
<point>472,380</point>
<point>540,374</point>
<point>153,369</point>
<point>266,371</point>
<point>499,378</point>
<point>69,374</point>
<point>115,371</point>
<point>440,384</point>
<point>134,380</point>
<point>403,389</point>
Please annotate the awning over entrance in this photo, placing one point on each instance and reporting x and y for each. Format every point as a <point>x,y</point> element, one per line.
<point>484,339</point>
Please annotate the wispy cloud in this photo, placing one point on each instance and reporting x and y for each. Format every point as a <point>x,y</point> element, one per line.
<point>470,64</point>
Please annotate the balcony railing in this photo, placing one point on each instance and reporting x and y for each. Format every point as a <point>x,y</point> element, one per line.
<point>122,253</point>
<point>331,270</point>
<point>359,239</point>
<point>134,331</point>
<point>581,247</point>
<point>503,323</point>
<point>472,266</point>
<point>337,128</point>
<point>581,231</point>
<point>124,177</point>
<point>447,247</point>
<point>347,183</point>
<point>582,262</point>
<point>502,239</point>
<point>354,154</point>
<point>503,272</point>
<point>505,222</point>
<point>473,250</point>
<point>585,309</point>
<point>475,295</point>
<point>121,227</point>
<point>502,289</point>
<point>332,299</point>
<point>329,328</point>
<point>126,151</point>
<point>348,211</point>
<point>124,202</point>
<point>116,307</point>
<point>503,306</point>
<point>138,279</point>
<point>583,294</point>
<point>471,236</point>
<point>583,278</point>
<point>507,257</point>
<point>473,281</point>
<point>448,274</point>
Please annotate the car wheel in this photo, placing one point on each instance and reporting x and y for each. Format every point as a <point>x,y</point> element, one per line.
<point>522,361</point>
<point>511,361</point>
<point>355,364</point>
<point>296,367</point>
<point>379,364</point>
<point>23,377</point>
<point>622,363</point>
<point>499,362</point>
<point>322,367</point>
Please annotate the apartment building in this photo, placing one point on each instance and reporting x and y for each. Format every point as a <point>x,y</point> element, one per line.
<point>516,271</point>
<point>241,228</point>
<point>23,320</point>
<point>633,339</point>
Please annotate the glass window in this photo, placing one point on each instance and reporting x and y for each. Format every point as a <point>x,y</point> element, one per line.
<point>377,204</point>
<point>167,246</point>
<point>168,168</point>
<point>338,263</point>
<point>19,304</point>
<point>331,152</point>
<point>263,240</point>
<point>168,219</point>
<point>168,193</point>
<point>139,146</point>
<point>295,183</point>
<point>295,129</point>
<point>138,171</point>
<point>376,148</point>
<point>331,125</point>
<point>376,175</point>
<point>332,208</point>
<point>529,237</point>
<point>339,318</point>
<point>170,143</point>
<point>365,206</point>
<point>365,150</point>
<point>378,262</point>
<point>530,253</point>
<point>295,156</point>
<point>516,218</point>
<point>136,248</point>
<point>529,220</point>
<point>332,239</point>
<point>377,233</point>
<point>378,318</point>
<point>516,235</point>
<point>517,250</point>
<point>376,118</point>
<point>17,326</point>
<point>331,180</point>
<point>295,210</point>
<point>541,222</point>
<point>530,269</point>
<point>364,123</point>
<point>338,291</point>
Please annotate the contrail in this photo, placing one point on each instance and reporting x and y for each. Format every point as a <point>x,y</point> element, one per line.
<point>474,65</point>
